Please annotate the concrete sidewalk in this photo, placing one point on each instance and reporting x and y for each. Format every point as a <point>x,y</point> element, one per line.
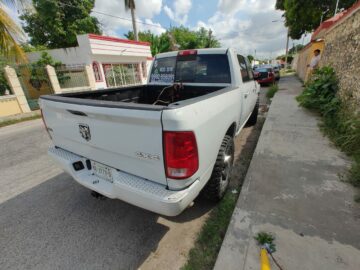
<point>292,189</point>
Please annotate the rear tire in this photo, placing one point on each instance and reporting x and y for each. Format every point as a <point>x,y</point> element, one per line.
<point>253,117</point>
<point>219,181</point>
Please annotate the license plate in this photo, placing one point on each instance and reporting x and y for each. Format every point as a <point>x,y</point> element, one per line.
<point>102,171</point>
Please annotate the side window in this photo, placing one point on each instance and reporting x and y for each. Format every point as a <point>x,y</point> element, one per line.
<point>250,71</point>
<point>243,69</point>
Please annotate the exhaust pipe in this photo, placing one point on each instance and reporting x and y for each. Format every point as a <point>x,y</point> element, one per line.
<point>97,195</point>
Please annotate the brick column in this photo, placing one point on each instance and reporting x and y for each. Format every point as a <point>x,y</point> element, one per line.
<point>90,76</point>
<point>16,88</point>
<point>53,79</point>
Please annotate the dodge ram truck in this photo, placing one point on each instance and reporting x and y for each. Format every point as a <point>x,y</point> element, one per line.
<point>158,145</point>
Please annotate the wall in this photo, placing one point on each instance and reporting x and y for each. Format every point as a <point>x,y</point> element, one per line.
<point>68,56</point>
<point>103,45</point>
<point>9,105</point>
<point>342,52</point>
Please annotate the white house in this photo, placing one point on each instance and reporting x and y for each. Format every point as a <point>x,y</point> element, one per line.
<point>114,61</point>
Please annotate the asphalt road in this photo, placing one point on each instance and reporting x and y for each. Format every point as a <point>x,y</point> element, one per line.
<point>48,221</point>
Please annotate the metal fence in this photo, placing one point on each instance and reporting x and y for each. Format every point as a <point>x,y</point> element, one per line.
<point>71,76</point>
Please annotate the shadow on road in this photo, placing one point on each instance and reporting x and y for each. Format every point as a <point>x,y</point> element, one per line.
<point>58,225</point>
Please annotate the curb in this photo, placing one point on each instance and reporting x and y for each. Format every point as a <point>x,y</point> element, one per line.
<point>19,116</point>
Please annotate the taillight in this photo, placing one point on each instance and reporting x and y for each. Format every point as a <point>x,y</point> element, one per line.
<point>187,52</point>
<point>46,128</point>
<point>181,154</point>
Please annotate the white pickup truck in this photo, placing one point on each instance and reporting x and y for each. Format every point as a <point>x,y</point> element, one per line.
<point>157,145</point>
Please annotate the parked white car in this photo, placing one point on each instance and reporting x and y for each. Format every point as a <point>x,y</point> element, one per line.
<point>157,145</point>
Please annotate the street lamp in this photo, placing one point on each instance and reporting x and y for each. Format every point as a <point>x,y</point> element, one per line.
<point>322,15</point>
<point>287,42</point>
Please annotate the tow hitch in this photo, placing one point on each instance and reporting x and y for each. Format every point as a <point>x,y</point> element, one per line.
<point>97,195</point>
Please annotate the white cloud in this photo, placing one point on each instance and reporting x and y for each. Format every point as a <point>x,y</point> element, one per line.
<point>156,30</point>
<point>249,6</point>
<point>230,6</point>
<point>145,10</point>
<point>180,11</point>
<point>247,26</point>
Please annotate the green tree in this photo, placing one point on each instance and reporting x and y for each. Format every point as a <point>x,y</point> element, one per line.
<point>250,57</point>
<point>38,74</point>
<point>177,38</point>
<point>283,57</point>
<point>10,32</point>
<point>304,16</point>
<point>29,48</point>
<point>296,48</point>
<point>55,23</point>
<point>159,44</point>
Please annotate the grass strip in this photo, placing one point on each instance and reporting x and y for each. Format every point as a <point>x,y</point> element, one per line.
<point>208,243</point>
<point>203,255</point>
<point>15,121</point>
<point>272,90</point>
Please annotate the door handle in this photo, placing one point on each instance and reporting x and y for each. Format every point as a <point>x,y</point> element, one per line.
<point>77,112</point>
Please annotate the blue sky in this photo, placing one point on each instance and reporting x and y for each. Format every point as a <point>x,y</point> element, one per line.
<point>243,24</point>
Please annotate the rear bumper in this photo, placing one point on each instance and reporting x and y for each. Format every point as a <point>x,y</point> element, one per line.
<point>129,188</point>
<point>266,80</point>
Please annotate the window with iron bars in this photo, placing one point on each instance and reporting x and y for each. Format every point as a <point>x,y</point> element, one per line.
<point>122,74</point>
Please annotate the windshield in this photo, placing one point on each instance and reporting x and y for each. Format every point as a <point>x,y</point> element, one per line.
<point>206,68</point>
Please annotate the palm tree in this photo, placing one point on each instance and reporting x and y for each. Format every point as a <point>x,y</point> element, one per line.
<point>10,32</point>
<point>130,4</point>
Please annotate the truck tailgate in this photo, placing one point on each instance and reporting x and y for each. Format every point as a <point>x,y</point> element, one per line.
<point>126,139</point>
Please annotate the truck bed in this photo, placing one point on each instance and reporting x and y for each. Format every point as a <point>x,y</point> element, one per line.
<point>145,94</point>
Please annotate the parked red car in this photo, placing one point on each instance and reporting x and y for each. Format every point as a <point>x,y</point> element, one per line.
<point>264,75</point>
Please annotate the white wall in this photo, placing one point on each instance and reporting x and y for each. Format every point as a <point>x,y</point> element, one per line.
<point>102,45</point>
<point>68,56</point>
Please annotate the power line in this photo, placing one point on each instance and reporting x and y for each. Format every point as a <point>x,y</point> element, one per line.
<point>114,16</point>
<point>106,14</point>
<point>126,19</point>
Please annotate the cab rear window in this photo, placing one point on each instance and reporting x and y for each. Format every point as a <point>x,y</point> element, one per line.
<point>205,68</point>
<point>263,69</point>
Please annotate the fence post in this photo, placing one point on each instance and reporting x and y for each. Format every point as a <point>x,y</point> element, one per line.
<point>90,76</point>
<point>16,88</point>
<point>53,79</point>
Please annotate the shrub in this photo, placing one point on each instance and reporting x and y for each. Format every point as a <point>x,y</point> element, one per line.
<point>3,82</point>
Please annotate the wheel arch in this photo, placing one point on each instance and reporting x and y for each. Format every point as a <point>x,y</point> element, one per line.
<point>231,130</point>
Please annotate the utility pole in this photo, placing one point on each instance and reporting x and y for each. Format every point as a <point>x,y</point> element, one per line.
<point>136,36</point>
<point>337,5</point>
<point>287,47</point>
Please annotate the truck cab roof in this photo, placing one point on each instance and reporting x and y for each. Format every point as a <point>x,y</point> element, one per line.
<point>198,51</point>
